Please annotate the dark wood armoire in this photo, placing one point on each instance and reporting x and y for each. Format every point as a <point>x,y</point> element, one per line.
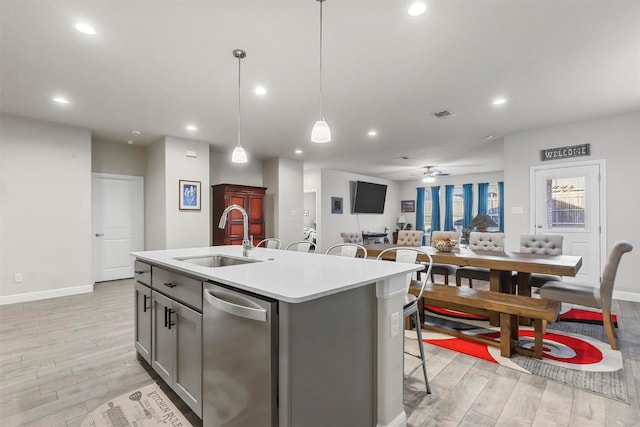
<point>252,199</point>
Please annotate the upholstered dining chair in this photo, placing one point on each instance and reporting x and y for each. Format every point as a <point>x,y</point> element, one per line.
<point>352,237</point>
<point>347,249</point>
<point>590,295</point>
<point>410,238</point>
<point>270,242</point>
<point>444,269</point>
<point>480,241</point>
<point>546,244</point>
<point>302,246</point>
<point>413,303</point>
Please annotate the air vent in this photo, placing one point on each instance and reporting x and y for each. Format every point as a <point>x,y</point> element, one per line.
<point>444,114</point>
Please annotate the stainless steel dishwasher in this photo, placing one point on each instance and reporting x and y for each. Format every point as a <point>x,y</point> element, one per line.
<point>240,358</point>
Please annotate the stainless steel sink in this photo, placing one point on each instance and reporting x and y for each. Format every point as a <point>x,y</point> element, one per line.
<point>217,260</point>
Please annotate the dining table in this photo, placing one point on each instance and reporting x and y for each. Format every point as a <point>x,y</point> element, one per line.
<point>501,265</point>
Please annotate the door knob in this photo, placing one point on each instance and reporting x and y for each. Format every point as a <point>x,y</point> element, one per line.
<point>99,234</point>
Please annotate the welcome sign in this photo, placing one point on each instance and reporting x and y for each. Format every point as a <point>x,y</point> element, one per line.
<point>565,152</point>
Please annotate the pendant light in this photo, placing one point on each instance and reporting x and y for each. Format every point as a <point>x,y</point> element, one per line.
<point>321,132</point>
<point>239,155</point>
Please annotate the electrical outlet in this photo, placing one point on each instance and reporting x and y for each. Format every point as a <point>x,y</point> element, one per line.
<point>395,324</point>
<point>17,278</point>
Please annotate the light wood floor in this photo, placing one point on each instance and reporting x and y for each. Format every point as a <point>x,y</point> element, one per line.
<point>61,358</point>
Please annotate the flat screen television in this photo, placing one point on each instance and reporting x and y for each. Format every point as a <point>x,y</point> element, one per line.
<point>369,198</point>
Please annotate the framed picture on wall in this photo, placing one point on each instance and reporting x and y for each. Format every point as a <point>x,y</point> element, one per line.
<point>336,205</point>
<point>407,206</point>
<point>189,195</point>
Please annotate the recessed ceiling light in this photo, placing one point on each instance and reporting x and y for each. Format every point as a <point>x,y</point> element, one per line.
<point>499,101</point>
<point>488,137</point>
<point>85,28</point>
<point>61,100</point>
<point>372,132</point>
<point>417,8</point>
<point>129,141</point>
<point>191,128</point>
<point>135,132</point>
<point>260,90</point>
<point>298,151</point>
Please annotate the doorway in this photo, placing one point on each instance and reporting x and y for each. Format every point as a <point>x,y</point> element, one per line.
<point>310,217</point>
<point>118,224</point>
<point>568,200</point>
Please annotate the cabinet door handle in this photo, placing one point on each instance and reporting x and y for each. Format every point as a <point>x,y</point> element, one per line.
<point>138,271</point>
<point>170,323</point>
<point>170,285</point>
<point>165,317</point>
<point>144,303</point>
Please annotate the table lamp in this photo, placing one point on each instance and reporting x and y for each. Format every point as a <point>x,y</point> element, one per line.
<point>401,221</point>
<point>482,222</point>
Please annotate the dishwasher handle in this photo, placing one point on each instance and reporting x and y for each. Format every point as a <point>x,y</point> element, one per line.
<point>245,311</point>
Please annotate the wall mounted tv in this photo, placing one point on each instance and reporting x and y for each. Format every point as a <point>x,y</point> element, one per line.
<point>368,198</point>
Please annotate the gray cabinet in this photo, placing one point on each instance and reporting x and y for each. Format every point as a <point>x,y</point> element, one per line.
<point>143,320</point>
<point>142,304</point>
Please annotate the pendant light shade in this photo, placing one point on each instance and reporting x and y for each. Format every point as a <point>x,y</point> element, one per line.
<point>239,155</point>
<point>321,132</point>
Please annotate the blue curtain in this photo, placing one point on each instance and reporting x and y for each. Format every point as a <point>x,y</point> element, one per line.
<point>501,196</point>
<point>467,197</point>
<point>435,208</point>
<point>448,207</point>
<point>483,197</point>
<point>420,211</point>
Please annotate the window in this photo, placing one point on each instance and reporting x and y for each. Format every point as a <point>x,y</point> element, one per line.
<point>458,207</point>
<point>493,202</point>
<point>427,211</point>
<point>565,203</point>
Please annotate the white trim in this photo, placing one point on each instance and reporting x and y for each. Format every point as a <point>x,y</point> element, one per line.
<point>53,293</point>
<point>604,250</point>
<point>626,296</point>
<point>399,421</point>
<point>116,176</point>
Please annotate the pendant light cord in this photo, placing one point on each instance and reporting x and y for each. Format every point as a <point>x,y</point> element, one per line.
<point>321,73</point>
<point>239,109</point>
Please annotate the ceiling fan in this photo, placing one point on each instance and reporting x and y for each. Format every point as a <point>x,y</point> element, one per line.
<point>430,175</point>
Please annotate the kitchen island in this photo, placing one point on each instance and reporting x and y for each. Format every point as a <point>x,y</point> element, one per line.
<point>336,335</point>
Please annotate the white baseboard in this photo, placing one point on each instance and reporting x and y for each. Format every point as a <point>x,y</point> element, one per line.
<point>626,296</point>
<point>53,293</point>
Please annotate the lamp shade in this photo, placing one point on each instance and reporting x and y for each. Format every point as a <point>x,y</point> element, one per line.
<point>402,219</point>
<point>239,155</point>
<point>482,221</point>
<point>321,132</point>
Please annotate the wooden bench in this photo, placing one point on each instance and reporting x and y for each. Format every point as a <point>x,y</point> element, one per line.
<point>482,303</point>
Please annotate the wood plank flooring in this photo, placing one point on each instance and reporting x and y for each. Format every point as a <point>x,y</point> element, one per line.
<point>61,358</point>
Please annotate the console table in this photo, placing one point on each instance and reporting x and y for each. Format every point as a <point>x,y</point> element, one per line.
<point>375,238</point>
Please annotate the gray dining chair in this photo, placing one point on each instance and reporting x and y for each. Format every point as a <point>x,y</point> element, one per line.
<point>352,237</point>
<point>591,295</point>
<point>480,241</point>
<point>347,249</point>
<point>444,269</point>
<point>413,302</point>
<point>544,244</point>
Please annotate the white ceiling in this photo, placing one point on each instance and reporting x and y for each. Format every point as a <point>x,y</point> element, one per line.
<point>155,66</point>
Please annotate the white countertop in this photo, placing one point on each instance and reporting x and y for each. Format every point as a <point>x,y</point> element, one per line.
<point>283,275</point>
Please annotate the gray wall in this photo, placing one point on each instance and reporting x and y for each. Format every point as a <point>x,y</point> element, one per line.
<point>617,141</point>
<point>45,209</point>
<point>119,159</point>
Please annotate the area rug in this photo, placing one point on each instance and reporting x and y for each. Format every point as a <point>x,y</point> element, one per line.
<point>575,353</point>
<point>142,407</point>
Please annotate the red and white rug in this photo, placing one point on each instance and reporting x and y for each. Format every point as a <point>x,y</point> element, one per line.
<point>575,351</point>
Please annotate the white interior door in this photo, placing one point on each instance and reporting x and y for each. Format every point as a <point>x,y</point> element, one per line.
<point>567,201</point>
<point>118,217</point>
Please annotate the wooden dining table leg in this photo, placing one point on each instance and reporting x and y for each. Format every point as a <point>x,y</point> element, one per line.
<point>499,281</point>
<point>524,289</point>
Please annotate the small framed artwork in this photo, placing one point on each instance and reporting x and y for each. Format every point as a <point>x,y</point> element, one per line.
<point>336,205</point>
<point>407,206</point>
<point>189,195</point>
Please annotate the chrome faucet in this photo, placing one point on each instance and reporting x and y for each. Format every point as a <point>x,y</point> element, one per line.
<point>246,243</point>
